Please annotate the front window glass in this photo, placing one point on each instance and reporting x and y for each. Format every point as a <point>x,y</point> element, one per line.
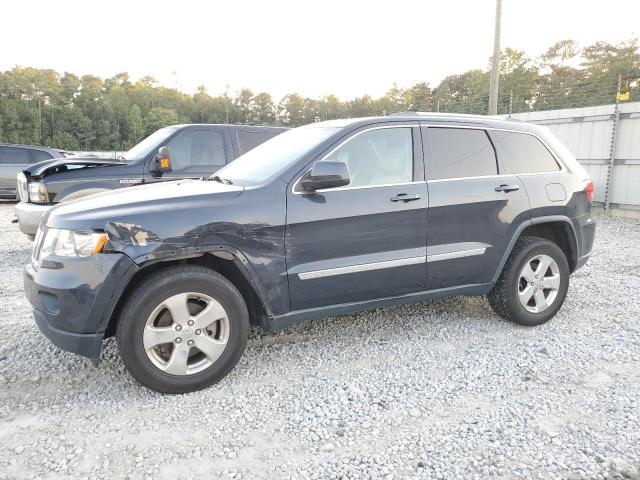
<point>378,157</point>
<point>274,156</point>
<point>197,151</point>
<point>149,144</point>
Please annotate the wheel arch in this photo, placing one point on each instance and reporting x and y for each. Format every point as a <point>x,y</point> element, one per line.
<point>555,228</point>
<point>225,262</point>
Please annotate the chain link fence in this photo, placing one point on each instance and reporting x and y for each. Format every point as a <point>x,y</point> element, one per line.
<point>597,119</point>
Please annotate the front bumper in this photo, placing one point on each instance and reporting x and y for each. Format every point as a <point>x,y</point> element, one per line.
<point>74,299</point>
<point>29,216</point>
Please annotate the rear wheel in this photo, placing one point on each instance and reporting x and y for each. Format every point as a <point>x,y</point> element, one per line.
<point>183,329</point>
<point>533,283</point>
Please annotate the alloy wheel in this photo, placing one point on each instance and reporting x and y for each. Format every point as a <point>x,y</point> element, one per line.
<point>186,333</point>
<point>538,283</point>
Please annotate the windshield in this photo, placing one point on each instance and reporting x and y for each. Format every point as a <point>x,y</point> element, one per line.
<point>274,156</point>
<point>149,144</point>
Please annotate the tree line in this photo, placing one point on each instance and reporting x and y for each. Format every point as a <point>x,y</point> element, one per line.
<point>44,107</point>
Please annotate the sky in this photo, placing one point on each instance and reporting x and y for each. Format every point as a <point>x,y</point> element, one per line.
<point>347,47</point>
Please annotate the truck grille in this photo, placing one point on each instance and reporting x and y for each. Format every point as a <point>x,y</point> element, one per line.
<point>22,189</point>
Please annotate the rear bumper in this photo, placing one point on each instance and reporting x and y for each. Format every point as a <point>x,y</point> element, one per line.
<point>585,227</point>
<point>72,303</point>
<point>582,260</point>
<point>29,216</point>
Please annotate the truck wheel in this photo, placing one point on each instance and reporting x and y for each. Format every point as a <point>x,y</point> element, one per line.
<point>182,329</point>
<point>533,283</point>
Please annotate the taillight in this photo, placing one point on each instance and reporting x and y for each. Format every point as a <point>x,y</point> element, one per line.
<point>588,189</point>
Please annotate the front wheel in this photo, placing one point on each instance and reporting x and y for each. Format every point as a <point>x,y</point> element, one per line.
<point>533,283</point>
<point>183,329</point>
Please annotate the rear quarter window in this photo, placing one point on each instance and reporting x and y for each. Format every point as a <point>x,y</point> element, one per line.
<point>522,153</point>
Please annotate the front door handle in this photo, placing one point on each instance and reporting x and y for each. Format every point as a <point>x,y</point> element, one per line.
<point>507,188</point>
<point>403,197</point>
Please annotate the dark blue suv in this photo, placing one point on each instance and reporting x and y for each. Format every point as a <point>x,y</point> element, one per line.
<point>324,219</point>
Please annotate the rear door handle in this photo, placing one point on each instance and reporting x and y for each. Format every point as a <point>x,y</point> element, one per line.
<point>507,188</point>
<point>403,197</point>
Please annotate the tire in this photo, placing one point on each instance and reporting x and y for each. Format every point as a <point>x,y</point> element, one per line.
<point>146,318</point>
<point>514,284</point>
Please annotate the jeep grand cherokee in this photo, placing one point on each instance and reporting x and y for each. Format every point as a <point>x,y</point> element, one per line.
<point>323,219</point>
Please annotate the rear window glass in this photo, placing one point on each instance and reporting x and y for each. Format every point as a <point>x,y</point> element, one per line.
<point>40,155</point>
<point>522,153</point>
<point>249,140</point>
<point>460,153</point>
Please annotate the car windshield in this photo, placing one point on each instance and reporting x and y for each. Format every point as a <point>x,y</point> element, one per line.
<point>149,144</point>
<point>273,157</point>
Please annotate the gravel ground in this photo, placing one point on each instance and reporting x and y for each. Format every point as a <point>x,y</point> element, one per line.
<point>441,389</point>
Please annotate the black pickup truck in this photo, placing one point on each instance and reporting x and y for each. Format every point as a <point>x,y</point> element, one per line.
<point>194,151</point>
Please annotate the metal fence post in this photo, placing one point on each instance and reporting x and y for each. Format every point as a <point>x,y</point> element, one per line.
<point>510,103</point>
<point>608,191</point>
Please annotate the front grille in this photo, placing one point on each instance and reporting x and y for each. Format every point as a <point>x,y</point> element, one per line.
<point>22,188</point>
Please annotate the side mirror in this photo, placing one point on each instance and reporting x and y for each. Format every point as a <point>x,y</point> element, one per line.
<point>161,163</point>
<point>326,174</point>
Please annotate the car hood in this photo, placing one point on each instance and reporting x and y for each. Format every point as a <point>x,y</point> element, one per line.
<point>45,167</point>
<point>158,205</point>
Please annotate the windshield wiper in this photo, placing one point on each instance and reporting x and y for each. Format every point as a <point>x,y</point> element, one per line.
<point>216,178</point>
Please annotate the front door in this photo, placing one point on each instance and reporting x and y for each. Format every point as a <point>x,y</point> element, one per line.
<point>366,240</point>
<point>197,152</point>
<point>473,208</point>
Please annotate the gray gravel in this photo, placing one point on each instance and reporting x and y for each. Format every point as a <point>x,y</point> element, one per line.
<point>442,389</point>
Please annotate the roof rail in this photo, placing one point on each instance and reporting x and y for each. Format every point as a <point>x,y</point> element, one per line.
<point>455,115</point>
<point>435,114</point>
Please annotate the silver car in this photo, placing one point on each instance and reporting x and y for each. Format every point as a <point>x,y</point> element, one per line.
<point>14,159</point>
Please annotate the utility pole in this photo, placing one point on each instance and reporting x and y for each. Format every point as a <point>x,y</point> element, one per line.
<point>495,63</point>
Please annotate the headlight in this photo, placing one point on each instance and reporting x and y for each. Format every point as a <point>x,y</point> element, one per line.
<point>38,193</point>
<point>69,243</point>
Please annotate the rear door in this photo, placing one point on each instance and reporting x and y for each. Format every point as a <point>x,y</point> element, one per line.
<point>365,240</point>
<point>198,152</point>
<point>474,208</point>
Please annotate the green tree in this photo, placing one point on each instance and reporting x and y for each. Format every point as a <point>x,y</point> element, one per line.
<point>419,98</point>
<point>134,128</point>
<point>262,110</point>
<point>69,87</point>
<point>157,118</point>
<point>244,103</point>
<point>518,78</point>
<point>292,110</point>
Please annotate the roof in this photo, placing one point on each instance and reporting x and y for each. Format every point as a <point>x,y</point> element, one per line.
<point>33,147</point>
<point>440,118</point>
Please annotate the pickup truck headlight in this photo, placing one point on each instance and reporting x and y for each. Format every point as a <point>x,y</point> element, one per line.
<point>69,243</point>
<point>38,193</point>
